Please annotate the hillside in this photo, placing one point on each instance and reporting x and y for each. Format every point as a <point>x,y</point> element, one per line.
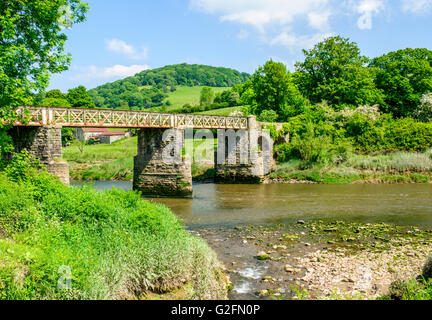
<point>152,88</point>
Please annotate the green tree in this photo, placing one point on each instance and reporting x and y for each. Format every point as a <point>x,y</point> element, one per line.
<point>273,89</point>
<point>80,98</point>
<point>335,71</point>
<point>404,76</point>
<point>55,98</point>
<point>207,96</point>
<point>31,48</point>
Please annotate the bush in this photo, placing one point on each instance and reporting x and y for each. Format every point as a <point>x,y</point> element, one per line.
<point>424,111</point>
<point>268,116</point>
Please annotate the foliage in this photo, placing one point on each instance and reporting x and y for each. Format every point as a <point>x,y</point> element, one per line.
<point>68,135</point>
<point>424,111</point>
<point>149,88</point>
<point>403,75</point>
<point>268,116</point>
<point>273,89</point>
<point>335,71</point>
<point>388,134</point>
<point>206,96</point>
<point>31,48</point>
<point>116,245</point>
<point>80,98</point>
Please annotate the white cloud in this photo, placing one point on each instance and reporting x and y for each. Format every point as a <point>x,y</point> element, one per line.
<point>114,72</point>
<point>416,6</point>
<point>291,40</point>
<point>120,46</point>
<point>319,20</point>
<point>259,13</point>
<point>367,8</point>
<point>277,21</point>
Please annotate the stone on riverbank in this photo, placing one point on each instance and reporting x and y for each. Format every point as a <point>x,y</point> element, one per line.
<point>427,269</point>
<point>263,256</point>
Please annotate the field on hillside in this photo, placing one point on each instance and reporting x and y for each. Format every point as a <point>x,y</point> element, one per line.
<point>221,112</point>
<point>189,95</point>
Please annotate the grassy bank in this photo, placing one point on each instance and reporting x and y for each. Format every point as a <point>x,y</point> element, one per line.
<point>398,167</point>
<point>113,244</point>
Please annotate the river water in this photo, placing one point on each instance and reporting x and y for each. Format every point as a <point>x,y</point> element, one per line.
<point>222,205</point>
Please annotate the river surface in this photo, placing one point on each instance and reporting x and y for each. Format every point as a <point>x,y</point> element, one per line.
<point>223,205</point>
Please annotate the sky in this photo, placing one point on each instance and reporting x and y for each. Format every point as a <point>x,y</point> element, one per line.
<point>122,38</point>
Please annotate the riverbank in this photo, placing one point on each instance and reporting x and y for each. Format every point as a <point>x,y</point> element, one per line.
<point>400,167</point>
<point>322,260</point>
<point>58,242</point>
<point>115,163</point>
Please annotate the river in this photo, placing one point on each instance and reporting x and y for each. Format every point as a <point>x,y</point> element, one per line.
<point>216,205</point>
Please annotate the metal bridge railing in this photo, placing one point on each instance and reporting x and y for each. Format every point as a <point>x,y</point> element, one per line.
<point>75,117</point>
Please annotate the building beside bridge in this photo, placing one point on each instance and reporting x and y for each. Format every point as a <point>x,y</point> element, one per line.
<point>104,134</point>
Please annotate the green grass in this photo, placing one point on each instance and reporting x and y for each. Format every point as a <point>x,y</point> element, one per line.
<point>222,112</point>
<point>116,245</point>
<point>191,95</point>
<point>125,148</point>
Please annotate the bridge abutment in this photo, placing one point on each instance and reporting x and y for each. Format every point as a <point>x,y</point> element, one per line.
<point>45,144</point>
<point>245,156</point>
<point>160,170</point>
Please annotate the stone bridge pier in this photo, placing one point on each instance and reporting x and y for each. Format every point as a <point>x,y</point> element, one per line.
<point>45,144</point>
<point>244,156</point>
<point>160,169</point>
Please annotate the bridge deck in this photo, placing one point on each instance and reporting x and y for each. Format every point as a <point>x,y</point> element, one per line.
<point>76,117</point>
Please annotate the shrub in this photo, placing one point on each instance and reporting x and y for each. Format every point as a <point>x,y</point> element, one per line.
<point>424,111</point>
<point>268,116</point>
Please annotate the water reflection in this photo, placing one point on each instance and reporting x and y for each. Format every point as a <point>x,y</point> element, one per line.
<point>225,205</point>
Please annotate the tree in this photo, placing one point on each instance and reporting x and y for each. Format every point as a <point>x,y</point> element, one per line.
<point>80,98</point>
<point>31,48</point>
<point>273,89</point>
<point>207,96</point>
<point>335,71</point>
<point>55,98</point>
<point>404,76</point>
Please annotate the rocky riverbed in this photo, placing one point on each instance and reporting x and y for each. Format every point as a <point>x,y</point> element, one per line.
<point>318,259</point>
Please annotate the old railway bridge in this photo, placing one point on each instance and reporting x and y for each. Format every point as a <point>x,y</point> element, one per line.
<point>38,129</point>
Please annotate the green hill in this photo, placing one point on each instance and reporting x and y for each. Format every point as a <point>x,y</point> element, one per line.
<point>153,88</point>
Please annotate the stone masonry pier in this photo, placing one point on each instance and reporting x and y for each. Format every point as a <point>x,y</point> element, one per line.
<point>160,170</point>
<point>244,156</point>
<point>45,143</point>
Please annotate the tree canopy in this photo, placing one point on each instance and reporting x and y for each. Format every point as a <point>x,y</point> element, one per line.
<point>273,89</point>
<point>80,98</point>
<point>335,71</point>
<point>32,48</point>
<point>404,76</point>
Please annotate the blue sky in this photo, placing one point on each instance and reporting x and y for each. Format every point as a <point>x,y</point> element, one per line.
<point>121,38</point>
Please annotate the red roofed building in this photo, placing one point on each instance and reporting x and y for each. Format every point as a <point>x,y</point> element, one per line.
<point>106,136</point>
